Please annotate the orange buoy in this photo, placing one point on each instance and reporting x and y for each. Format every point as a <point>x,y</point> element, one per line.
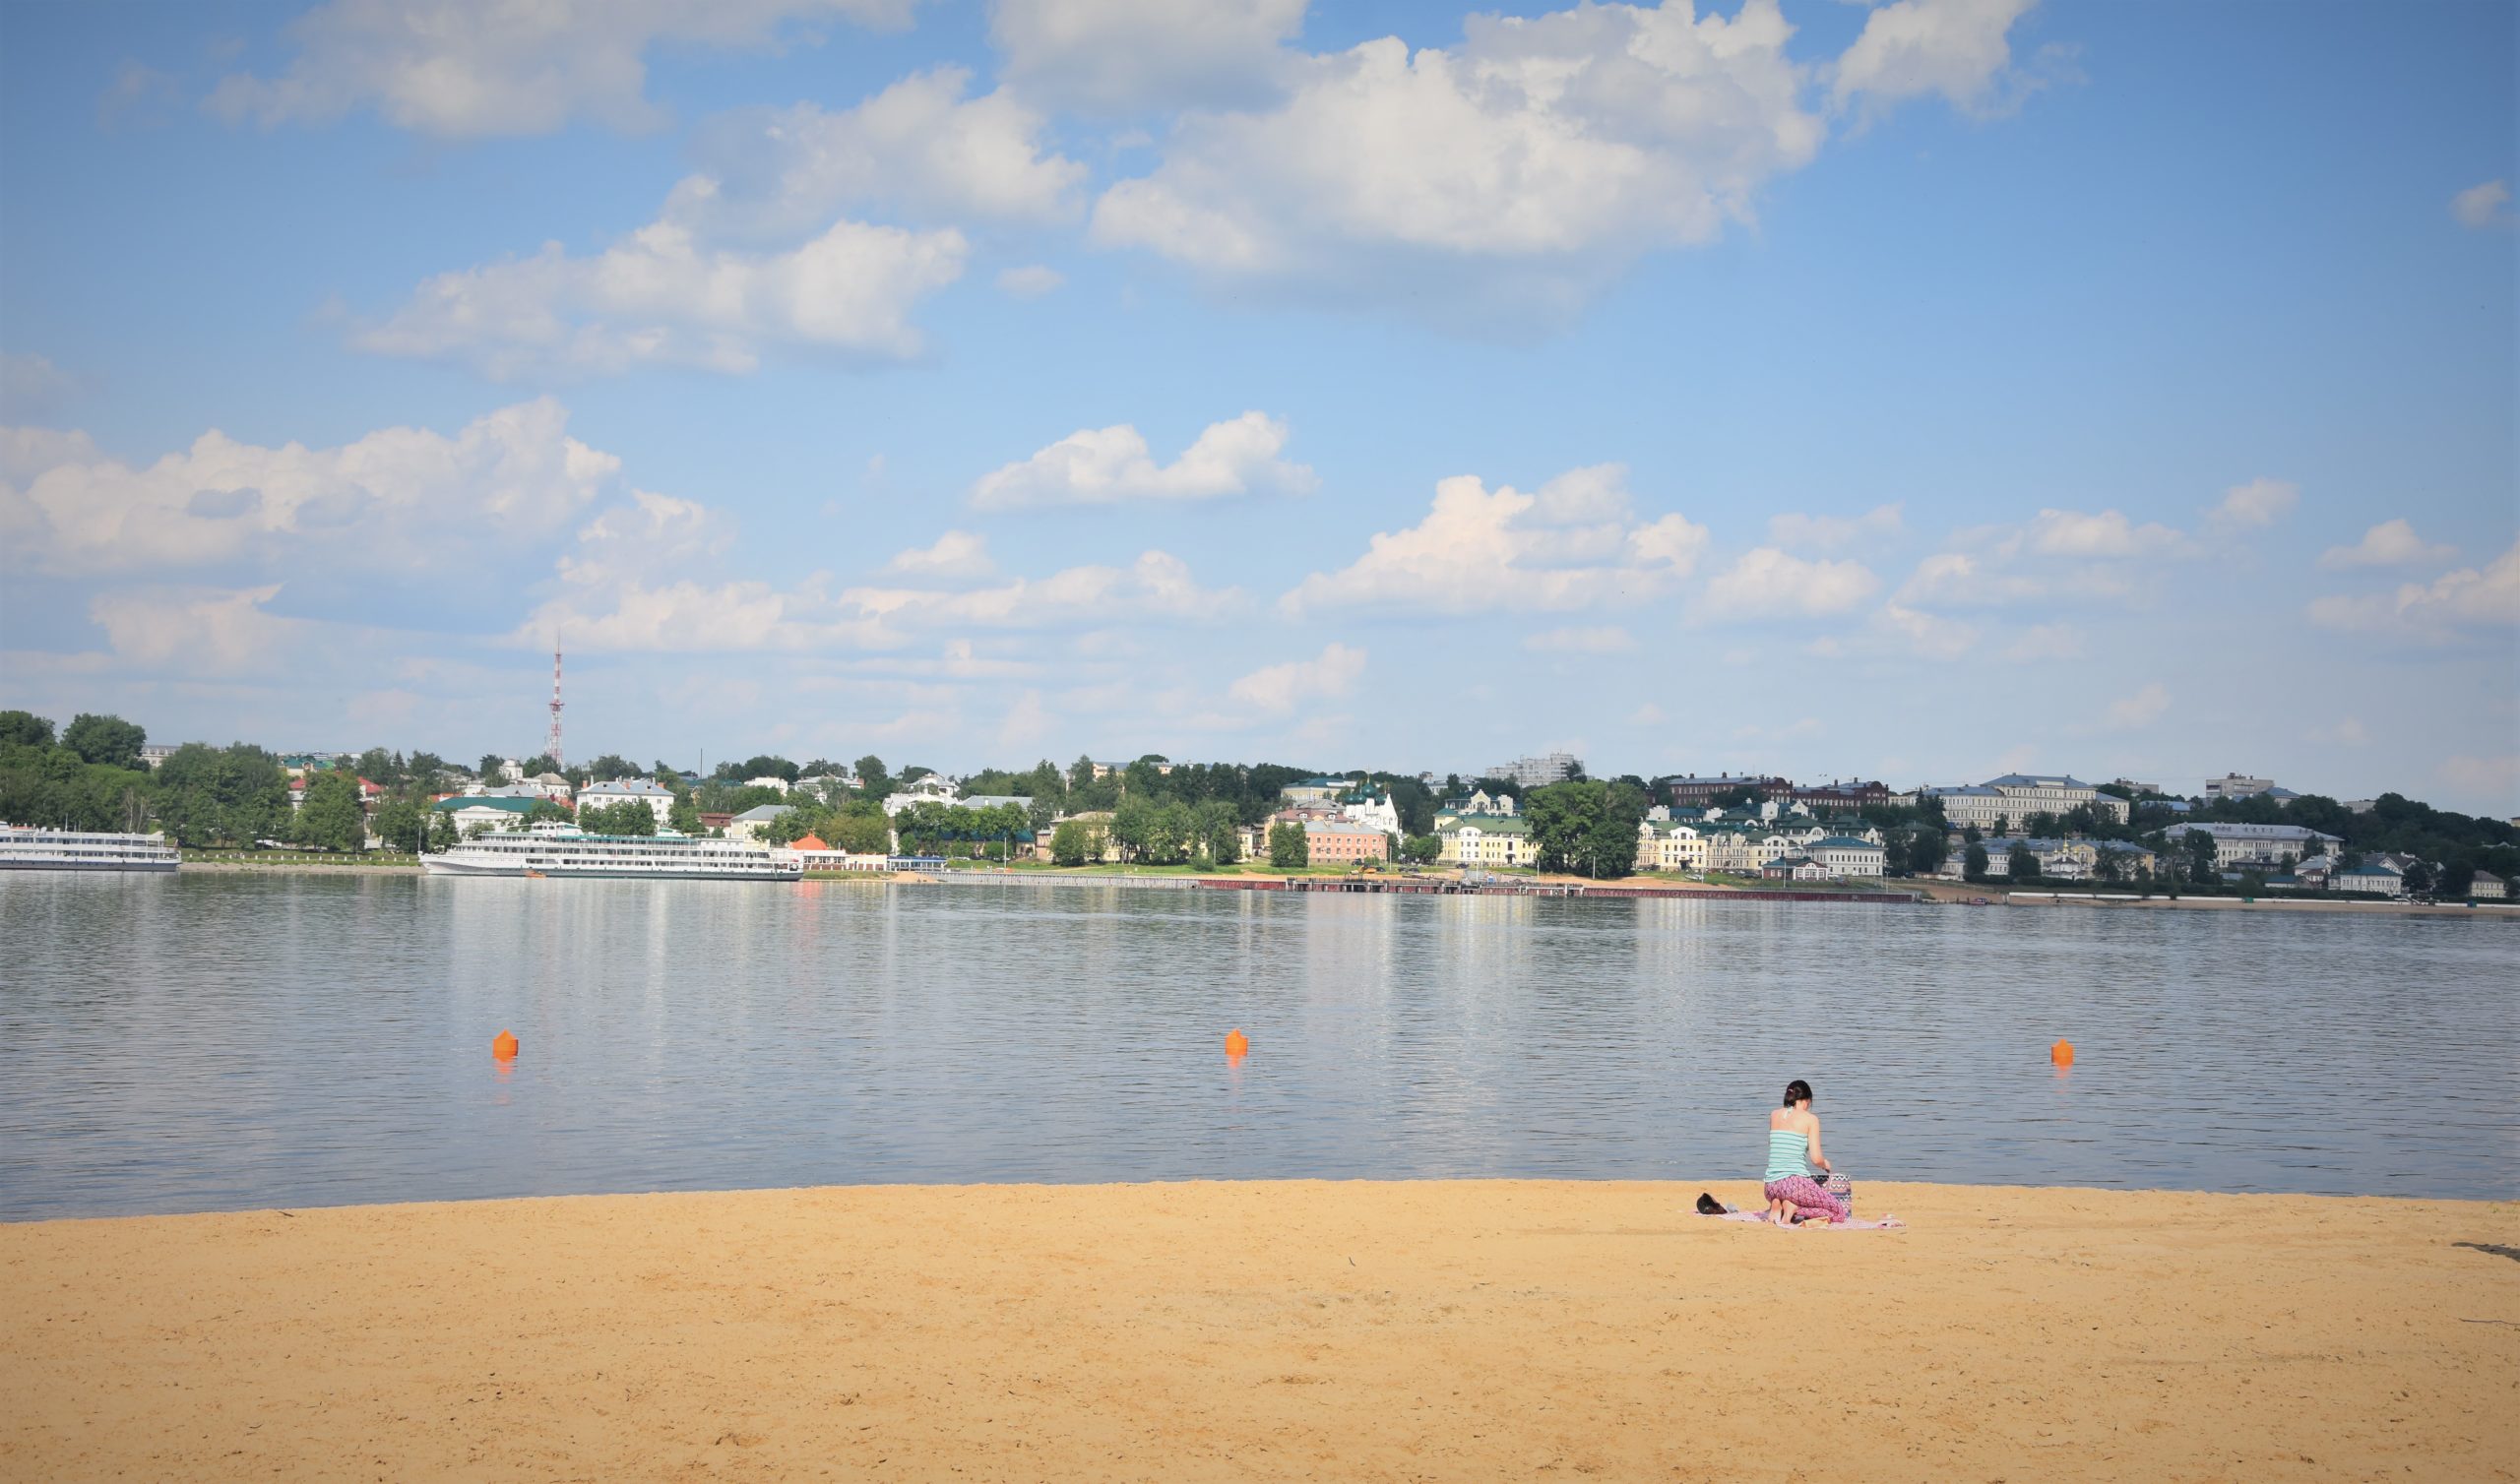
<point>1236,1043</point>
<point>2062,1053</point>
<point>503,1046</point>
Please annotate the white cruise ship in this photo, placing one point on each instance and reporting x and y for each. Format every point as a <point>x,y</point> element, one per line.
<point>561,850</point>
<point>26,849</point>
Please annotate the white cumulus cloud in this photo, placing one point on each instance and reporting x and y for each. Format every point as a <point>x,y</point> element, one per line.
<point>1281,688</point>
<point>472,69</point>
<point>1122,56</point>
<point>919,146</point>
<point>1575,543</point>
<point>399,498</point>
<point>1565,143</point>
<point>2480,205</point>
<point>663,298</point>
<point>1961,49</point>
<point>957,554</point>
<point>2256,503</point>
<point>1110,465</point>
<point>1768,582</point>
<point>1158,585</point>
<point>2391,543</point>
<point>2464,600</point>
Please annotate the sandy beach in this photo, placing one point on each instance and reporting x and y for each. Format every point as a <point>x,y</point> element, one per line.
<point>1299,1329</point>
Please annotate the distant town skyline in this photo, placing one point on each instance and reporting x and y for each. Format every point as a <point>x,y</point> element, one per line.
<point>1923,392</point>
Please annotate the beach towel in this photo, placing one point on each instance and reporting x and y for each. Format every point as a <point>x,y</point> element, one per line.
<point>1886,1224</point>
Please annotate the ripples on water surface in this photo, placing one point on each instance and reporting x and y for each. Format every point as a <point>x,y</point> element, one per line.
<point>202,1043</point>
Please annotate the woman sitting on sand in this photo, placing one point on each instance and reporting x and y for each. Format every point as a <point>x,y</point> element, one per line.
<point>1795,1163</point>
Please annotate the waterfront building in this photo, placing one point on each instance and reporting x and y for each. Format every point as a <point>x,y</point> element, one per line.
<point>1489,844</point>
<point>926,788</point>
<point>1852,793</point>
<point>749,824</point>
<point>1689,792</point>
<point>1795,868</point>
<point>2372,878</point>
<point>1670,845</point>
<point>2487,886</point>
<point>2016,796</point>
<point>812,853</point>
<point>1844,855</point>
<point>1375,812</point>
<point>475,814</point>
<point>1334,843</point>
<point>2239,844</point>
<point>657,798</point>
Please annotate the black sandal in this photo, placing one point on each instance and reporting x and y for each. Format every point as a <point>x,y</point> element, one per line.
<point>1708,1206</point>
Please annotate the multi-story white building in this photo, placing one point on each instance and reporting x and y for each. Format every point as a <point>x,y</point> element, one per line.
<point>2232,785</point>
<point>658,799</point>
<point>2016,796</point>
<point>1375,813</point>
<point>2253,845</point>
<point>1844,855</point>
<point>1533,772</point>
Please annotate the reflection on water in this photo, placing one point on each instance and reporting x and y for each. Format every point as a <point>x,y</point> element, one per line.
<point>206,1042</point>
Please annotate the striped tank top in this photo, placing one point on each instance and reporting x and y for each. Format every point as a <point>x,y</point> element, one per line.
<point>1789,1155</point>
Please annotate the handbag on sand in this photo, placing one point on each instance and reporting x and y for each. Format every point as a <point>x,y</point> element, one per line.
<point>1841,1190</point>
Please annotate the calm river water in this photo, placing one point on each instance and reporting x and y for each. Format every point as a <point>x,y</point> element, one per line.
<point>203,1042</point>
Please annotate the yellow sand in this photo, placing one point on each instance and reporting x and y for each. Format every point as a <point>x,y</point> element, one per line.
<point>1473,1330</point>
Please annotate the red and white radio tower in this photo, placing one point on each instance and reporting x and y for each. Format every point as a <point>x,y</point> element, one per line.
<point>559,763</point>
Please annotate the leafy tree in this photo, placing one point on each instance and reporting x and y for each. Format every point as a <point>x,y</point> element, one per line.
<point>378,765</point>
<point>1425,849</point>
<point>2418,878</point>
<point>234,795</point>
<point>2024,863</point>
<point>491,768</point>
<point>1928,849</point>
<point>1289,846</point>
<point>542,811</point>
<point>1220,837</point>
<point>872,781</point>
<point>865,832</point>
<point>1973,863</point>
<point>611,766</point>
<point>626,816</point>
<point>2200,858</point>
<point>767,765</point>
<point>2110,864</point>
<point>2041,826</point>
<point>684,817</point>
<point>107,741</point>
<point>538,764</point>
<point>1068,844</point>
<point>331,818</point>
<point>441,832</point>
<point>24,729</point>
<point>401,825</point>
<point>1585,827</point>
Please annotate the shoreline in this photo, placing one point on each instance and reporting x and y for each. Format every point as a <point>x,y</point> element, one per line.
<point>1272,1330</point>
<point>1895,891</point>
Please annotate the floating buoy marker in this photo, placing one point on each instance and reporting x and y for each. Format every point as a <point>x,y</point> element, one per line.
<point>1236,1043</point>
<point>2062,1053</point>
<point>503,1046</point>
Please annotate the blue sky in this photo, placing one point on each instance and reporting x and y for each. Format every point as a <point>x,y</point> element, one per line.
<point>1920,390</point>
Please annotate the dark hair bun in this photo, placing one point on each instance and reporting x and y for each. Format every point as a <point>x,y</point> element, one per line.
<point>1796,1092</point>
